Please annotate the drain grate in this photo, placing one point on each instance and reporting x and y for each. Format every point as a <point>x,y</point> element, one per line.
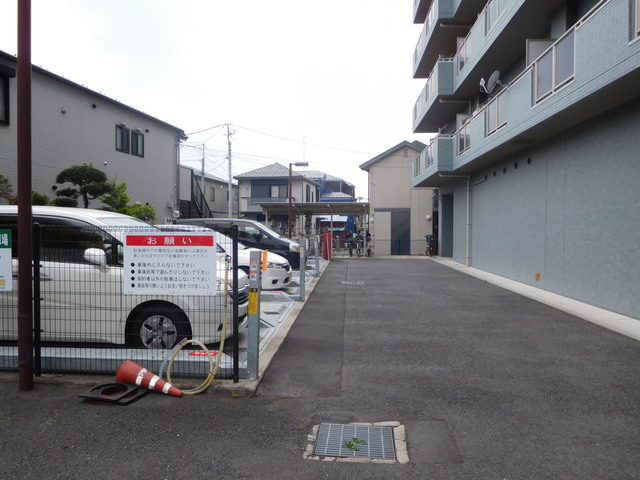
<point>359,441</point>
<point>346,282</point>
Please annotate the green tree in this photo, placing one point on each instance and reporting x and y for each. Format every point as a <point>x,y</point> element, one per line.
<point>39,199</point>
<point>143,212</point>
<point>89,183</point>
<point>6,188</point>
<point>117,198</point>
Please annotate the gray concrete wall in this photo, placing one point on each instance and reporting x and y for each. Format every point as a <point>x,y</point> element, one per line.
<point>564,215</point>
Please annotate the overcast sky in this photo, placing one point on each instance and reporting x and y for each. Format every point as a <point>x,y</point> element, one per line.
<point>325,81</point>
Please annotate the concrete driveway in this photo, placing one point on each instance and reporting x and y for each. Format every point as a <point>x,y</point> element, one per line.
<point>487,384</point>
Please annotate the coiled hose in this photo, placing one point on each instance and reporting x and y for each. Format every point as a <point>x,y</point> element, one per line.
<point>213,367</point>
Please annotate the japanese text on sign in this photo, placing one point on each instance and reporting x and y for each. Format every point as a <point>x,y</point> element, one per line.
<point>170,264</point>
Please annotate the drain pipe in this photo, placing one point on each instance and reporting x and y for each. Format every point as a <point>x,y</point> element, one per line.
<point>468,177</point>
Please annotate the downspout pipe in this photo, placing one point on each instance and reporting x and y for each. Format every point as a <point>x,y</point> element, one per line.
<point>468,177</point>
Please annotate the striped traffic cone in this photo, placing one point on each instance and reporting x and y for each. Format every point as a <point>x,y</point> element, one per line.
<point>131,372</point>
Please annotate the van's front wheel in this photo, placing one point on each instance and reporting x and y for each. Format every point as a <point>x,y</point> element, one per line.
<point>158,327</point>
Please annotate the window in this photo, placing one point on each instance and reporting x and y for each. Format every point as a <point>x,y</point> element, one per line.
<point>5,74</point>
<point>137,144</point>
<point>636,17</point>
<point>308,193</point>
<point>122,138</point>
<point>212,194</point>
<point>279,191</point>
<point>4,100</point>
<point>555,67</point>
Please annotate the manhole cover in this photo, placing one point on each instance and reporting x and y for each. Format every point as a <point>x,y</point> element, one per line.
<point>358,441</point>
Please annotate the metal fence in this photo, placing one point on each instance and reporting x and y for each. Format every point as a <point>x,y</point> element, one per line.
<point>88,318</point>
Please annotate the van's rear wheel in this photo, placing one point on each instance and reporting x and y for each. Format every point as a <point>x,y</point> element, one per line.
<point>158,327</point>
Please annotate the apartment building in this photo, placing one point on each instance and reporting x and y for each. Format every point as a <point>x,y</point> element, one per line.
<point>73,125</point>
<point>536,110</point>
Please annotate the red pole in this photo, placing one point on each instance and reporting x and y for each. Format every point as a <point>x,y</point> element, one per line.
<point>25,255</point>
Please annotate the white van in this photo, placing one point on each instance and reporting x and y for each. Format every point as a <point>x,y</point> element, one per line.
<point>81,274</point>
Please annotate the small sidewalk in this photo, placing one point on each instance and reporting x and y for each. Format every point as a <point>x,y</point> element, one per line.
<point>616,322</point>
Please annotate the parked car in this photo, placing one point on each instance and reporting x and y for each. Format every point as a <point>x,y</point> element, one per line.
<point>83,300</point>
<point>277,274</point>
<point>253,234</point>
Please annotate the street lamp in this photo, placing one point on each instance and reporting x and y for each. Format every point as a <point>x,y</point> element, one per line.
<point>297,164</point>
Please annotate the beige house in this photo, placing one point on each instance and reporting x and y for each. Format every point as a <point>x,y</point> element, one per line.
<point>401,215</point>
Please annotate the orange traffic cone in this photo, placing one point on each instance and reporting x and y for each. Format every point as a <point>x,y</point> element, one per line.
<point>131,372</point>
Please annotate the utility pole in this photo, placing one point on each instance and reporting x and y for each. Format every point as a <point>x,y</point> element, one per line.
<point>202,174</point>
<point>230,194</point>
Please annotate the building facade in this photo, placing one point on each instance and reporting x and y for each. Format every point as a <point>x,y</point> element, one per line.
<point>535,107</point>
<point>402,214</point>
<point>72,125</point>
<point>208,198</point>
<point>270,184</point>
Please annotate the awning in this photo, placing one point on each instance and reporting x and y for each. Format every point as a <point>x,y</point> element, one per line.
<point>316,208</point>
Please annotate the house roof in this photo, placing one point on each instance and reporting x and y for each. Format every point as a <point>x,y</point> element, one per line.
<point>318,175</point>
<point>415,145</point>
<point>317,208</point>
<point>46,73</point>
<point>275,170</point>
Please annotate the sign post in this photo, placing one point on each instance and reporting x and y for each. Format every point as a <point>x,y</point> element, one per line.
<point>253,316</point>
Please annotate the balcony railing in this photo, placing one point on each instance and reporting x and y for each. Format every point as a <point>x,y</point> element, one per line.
<point>555,67</point>
<point>473,43</point>
<point>252,201</point>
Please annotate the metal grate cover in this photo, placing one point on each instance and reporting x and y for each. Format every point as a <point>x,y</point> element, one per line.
<point>359,441</point>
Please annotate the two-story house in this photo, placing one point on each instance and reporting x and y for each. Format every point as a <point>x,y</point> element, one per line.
<point>73,125</point>
<point>536,107</point>
<point>205,196</point>
<point>270,184</point>
<point>402,214</point>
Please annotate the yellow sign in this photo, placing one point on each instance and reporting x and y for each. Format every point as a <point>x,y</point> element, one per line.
<point>253,301</point>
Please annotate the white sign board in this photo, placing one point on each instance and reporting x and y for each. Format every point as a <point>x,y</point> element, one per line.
<point>6,274</point>
<point>170,264</point>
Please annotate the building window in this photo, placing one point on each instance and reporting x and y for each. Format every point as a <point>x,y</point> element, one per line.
<point>636,17</point>
<point>212,194</point>
<point>307,193</point>
<point>555,67</point>
<point>4,100</point>
<point>137,144</point>
<point>279,191</point>
<point>122,138</point>
<point>5,74</point>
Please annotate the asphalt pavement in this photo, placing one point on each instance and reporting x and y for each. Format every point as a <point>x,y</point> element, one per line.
<point>485,383</point>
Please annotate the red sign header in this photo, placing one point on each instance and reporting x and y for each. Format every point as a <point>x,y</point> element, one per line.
<point>170,240</point>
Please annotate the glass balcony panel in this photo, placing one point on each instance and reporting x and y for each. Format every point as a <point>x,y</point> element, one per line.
<point>564,59</point>
<point>544,75</point>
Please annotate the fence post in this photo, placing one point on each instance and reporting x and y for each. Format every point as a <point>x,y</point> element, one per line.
<point>303,265</point>
<point>253,315</point>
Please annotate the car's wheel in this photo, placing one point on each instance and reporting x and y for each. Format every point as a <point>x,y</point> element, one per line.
<point>158,327</point>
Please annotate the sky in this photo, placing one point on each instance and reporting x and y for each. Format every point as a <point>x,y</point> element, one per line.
<point>327,82</point>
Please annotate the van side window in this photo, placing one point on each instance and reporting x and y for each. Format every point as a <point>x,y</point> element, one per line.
<point>62,242</point>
